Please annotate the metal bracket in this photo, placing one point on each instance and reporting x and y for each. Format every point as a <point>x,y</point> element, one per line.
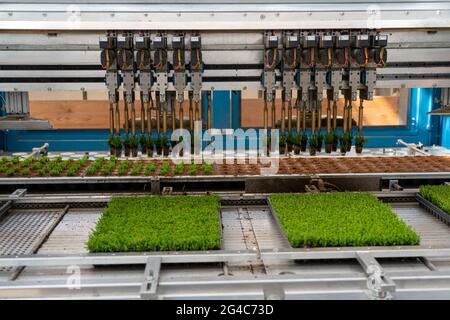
<point>196,85</point>
<point>149,286</point>
<point>394,186</point>
<point>379,285</point>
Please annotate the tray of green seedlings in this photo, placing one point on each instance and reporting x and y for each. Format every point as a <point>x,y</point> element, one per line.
<point>340,219</point>
<point>436,200</point>
<point>158,223</point>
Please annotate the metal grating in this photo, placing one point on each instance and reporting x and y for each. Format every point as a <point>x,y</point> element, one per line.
<point>22,231</point>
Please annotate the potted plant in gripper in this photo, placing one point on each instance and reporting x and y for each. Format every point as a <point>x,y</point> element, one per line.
<point>320,142</point>
<point>329,140</point>
<point>290,142</point>
<point>303,141</point>
<point>343,143</point>
<point>359,143</point>
<point>127,145</point>
<point>143,143</point>
<point>165,145</point>
<point>150,142</point>
<point>335,140</point>
<point>349,136</point>
<point>134,143</point>
<point>313,144</point>
<point>282,144</point>
<point>297,144</point>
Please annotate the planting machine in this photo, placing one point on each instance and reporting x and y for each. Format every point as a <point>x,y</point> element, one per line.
<point>288,96</point>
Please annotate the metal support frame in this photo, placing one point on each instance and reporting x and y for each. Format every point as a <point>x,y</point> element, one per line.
<point>379,285</point>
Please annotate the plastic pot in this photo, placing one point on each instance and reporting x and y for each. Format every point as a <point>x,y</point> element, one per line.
<point>297,149</point>
<point>328,147</point>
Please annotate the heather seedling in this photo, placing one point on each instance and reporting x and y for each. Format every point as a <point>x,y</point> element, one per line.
<point>25,172</point>
<point>193,169</point>
<point>175,223</point>
<point>179,168</point>
<point>26,162</point>
<point>207,168</point>
<point>136,168</point>
<point>439,195</point>
<point>12,171</point>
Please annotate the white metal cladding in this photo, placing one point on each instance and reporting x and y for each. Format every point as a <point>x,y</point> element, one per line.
<point>224,15</point>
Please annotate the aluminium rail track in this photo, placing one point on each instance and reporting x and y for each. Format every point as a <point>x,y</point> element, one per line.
<point>256,261</point>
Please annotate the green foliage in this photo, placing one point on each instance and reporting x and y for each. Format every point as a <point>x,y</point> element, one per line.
<point>360,140</point>
<point>283,140</point>
<point>137,167</point>
<point>439,195</point>
<point>43,159</point>
<point>134,142</point>
<point>127,142</point>
<point>15,160</point>
<point>340,219</point>
<point>139,224</point>
<point>349,137</point>
<point>193,169</point>
<point>313,141</point>
<point>109,166</point>
<point>77,166</point>
<point>143,140</point>
<point>290,138</point>
<point>165,168</point>
<point>150,142</point>
<point>179,168</point>
<point>123,168</point>
<point>207,168</point>
<point>36,166</point>
<point>297,139</point>
<point>335,137</point>
<point>149,169</point>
